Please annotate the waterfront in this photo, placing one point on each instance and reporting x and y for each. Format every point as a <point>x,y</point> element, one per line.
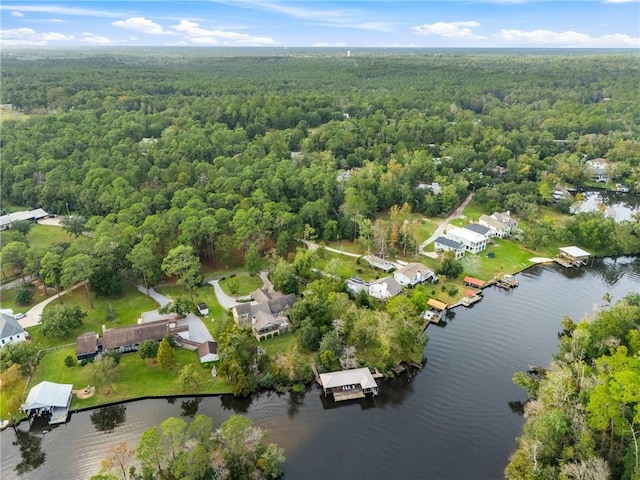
<point>456,419</point>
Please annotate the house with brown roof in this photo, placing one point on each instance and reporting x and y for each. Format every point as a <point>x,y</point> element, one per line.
<point>127,339</point>
<point>208,352</point>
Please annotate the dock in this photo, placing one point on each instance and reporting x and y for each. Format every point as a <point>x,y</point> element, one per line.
<point>507,282</point>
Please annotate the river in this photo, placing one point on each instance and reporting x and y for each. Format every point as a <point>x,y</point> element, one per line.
<point>457,419</point>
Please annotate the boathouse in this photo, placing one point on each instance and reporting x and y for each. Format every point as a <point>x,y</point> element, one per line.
<point>51,399</point>
<point>349,384</point>
<point>473,282</point>
<point>572,257</point>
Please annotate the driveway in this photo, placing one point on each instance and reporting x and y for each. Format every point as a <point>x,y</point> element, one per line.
<point>197,329</point>
<point>224,300</point>
<point>444,224</point>
<point>34,315</point>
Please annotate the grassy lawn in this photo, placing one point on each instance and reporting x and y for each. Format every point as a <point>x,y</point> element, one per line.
<point>510,257</point>
<point>341,265</point>
<point>7,299</point>
<point>128,307</point>
<point>427,227</point>
<point>346,246</point>
<point>473,211</point>
<point>245,284</point>
<point>135,378</point>
<point>45,235</point>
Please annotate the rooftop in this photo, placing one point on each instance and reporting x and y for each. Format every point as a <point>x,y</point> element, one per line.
<point>355,376</point>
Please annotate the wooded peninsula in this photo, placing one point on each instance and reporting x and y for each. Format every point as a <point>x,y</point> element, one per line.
<point>172,168</point>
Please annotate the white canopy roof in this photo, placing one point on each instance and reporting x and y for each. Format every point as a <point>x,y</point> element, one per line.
<point>575,252</point>
<point>361,376</point>
<point>48,394</point>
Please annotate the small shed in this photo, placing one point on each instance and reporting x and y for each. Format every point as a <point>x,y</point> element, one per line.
<point>203,308</point>
<point>48,398</point>
<point>208,352</point>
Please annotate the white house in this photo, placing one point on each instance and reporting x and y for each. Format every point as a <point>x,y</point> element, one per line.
<point>413,273</point>
<point>10,330</point>
<point>480,229</point>
<point>502,224</point>
<point>384,288</point>
<point>208,352</point>
<point>444,244</point>
<point>473,242</point>
<point>597,170</point>
<point>379,263</point>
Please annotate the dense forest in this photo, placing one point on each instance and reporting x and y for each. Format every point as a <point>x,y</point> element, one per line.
<point>173,159</point>
<point>583,413</point>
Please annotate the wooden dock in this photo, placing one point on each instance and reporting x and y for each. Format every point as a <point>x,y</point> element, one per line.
<point>507,282</point>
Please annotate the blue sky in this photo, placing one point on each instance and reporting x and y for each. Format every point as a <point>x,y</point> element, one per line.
<point>352,24</point>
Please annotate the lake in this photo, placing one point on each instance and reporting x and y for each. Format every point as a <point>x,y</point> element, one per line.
<point>457,419</point>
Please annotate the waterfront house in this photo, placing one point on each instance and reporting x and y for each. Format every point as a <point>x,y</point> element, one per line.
<point>379,263</point>
<point>127,339</point>
<point>266,318</point>
<point>597,170</point>
<point>473,242</point>
<point>384,288</point>
<point>479,229</point>
<point>10,330</point>
<point>502,224</point>
<point>444,244</point>
<point>348,384</point>
<point>414,273</point>
<point>50,399</point>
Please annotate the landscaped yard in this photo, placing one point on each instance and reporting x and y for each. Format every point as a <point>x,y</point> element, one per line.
<point>128,308</point>
<point>7,299</point>
<point>45,235</point>
<point>135,378</point>
<point>244,284</point>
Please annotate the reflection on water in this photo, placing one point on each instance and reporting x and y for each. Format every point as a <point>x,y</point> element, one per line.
<point>106,419</point>
<point>619,206</point>
<point>463,405</point>
<point>31,454</point>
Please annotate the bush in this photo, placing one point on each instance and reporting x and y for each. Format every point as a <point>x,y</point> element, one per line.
<point>298,388</point>
<point>23,295</point>
<point>70,361</point>
<point>115,354</point>
<point>452,291</point>
<point>267,381</point>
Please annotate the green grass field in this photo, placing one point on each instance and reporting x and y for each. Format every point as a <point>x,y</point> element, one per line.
<point>245,284</point>
<point>45,235</point>
<point>7,299</point>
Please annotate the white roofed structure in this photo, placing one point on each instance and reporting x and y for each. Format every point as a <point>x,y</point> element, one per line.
<point>572,256</point>
<point>49,398</point>
<point>349,384</point>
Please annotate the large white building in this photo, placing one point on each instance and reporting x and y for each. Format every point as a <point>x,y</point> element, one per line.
<point>10,330</point>
<point>473,242</point>
<point>412,274</point>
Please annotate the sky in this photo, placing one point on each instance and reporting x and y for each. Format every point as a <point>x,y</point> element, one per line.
<point>307,23</point>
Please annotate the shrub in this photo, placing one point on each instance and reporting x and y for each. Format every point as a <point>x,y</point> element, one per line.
<point>267,381</point>
<point>23,295</point>
<point>299,388</point>
<point>69,361</point>
<point>115,354</point>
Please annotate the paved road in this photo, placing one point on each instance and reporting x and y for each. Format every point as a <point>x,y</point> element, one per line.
<point>224,300</point>
<point>197,329</point>
<point>444,224</point>
<point>314,246</point>
<point>34,315</point>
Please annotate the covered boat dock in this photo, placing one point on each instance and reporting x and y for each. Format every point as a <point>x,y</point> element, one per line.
<point>473,282</point>
<point>51,399</point>
<point>348,384</point>
<point>572,257</point>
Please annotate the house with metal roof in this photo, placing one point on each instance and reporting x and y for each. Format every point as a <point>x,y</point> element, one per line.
<point>379,263</point>
<point>10,330</point>
<point>479,229</point>
<point>31,215</point>
<point>348,384</point>
<point>445,244</point>
<point>473,242</point>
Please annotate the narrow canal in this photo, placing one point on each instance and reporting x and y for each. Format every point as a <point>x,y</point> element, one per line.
<point>457,419</point>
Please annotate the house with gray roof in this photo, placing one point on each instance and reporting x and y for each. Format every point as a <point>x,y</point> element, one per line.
<point>502,224</point>
<point>267,318</point>
<point>10,330</point>
<point>414,273</point>
<point>445,244</point>
<point>479,229</point>
<point>384,288</point>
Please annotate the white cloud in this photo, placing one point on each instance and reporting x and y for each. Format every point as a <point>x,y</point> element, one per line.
<point>16,13</point>
<point>17,32</point>
<point>56,20</point>
<point>326,44</point>
<point>568,38</point>
<point>59,10</point>
<point>141,24</point>
<point>56,36</point>
<point>96,39</point>
<point>447,29</point>
<point>196,34</point>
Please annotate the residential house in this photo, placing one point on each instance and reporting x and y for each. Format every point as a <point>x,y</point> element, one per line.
<point>433,187</point>
<point>384,288</point>
<point>127,339</point>
<point>10,330</point>
<point>208,352</point>
<point>445,244</point>
<point>502,224</point>
<point>379,263</point>
<point>413,274</point>
<point>597,170</point>
<point>479,229</point>
<point>267,318</point>
<point>473,242</point>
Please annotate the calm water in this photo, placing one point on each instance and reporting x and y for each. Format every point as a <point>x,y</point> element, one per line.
<point>457,419</point>
<point>619,206</point>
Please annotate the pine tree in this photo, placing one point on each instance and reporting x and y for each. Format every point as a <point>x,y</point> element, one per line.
<point>166,355</point>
